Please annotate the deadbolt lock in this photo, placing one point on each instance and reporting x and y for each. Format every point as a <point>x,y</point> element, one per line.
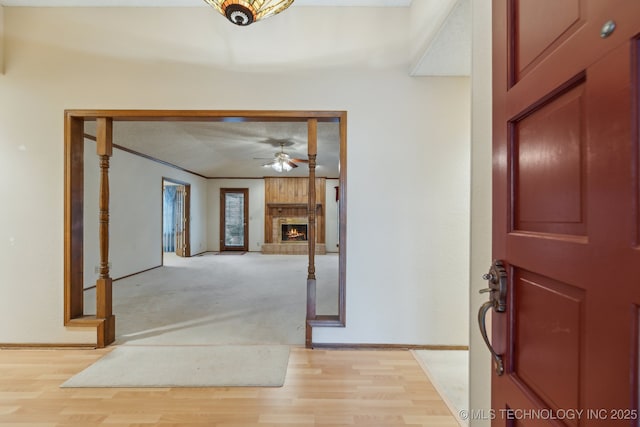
<point>497,278</point>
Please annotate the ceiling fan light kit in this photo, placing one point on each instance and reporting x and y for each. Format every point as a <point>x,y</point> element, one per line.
<point>280,166</point>
<point>246,12</point>
<point>282,162</point>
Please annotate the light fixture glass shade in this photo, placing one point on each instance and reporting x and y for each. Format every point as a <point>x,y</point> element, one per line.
<point>281,165</point>
<point>245,12</point>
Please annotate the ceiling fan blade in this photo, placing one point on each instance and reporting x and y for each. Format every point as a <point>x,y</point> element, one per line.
<point>299,160</point>
<point>293,165</point>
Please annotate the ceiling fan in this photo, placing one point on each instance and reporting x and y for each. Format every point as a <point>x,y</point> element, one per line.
<point>282,162</point>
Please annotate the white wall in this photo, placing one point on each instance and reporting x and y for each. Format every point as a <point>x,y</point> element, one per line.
<point>407,226</point>
<point>481,163</point>
<point>135,222</point>
<point>407,252</point>
<point>256,211</point>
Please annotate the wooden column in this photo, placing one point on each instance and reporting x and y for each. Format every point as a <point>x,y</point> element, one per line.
<point>104,148</point>
<point>312,148</point>
<point>1,40</point>
<point>73,217</point>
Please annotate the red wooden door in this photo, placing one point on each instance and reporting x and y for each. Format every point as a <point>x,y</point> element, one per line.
<point>566,211</point>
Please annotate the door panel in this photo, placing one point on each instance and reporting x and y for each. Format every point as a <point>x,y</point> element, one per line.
<point>548,153</point>
<point>539,26</point>
<point>566,207</point>
<point>547,316</point>
<point>234,224</point>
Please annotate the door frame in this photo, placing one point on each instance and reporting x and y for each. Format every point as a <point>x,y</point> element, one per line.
<point>223,216</point>
<point>186,217</point>
<point>104,320</point>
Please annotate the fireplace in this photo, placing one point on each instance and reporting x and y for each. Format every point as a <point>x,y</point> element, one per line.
<point>293,232</point>
<point>289,230</point>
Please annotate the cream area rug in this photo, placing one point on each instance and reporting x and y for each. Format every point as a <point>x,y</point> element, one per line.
<point>187,366</point>
<point>448,371</point>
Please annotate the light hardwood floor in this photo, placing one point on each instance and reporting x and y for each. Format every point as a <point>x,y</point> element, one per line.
<point>322,388</point>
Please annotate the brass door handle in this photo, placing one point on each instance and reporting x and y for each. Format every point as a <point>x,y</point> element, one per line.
<point>497,278</point>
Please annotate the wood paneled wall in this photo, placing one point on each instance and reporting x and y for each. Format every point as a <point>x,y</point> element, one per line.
<point>292,191</point>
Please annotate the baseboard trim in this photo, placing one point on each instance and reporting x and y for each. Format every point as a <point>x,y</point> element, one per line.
<point>358,346</point>
<point>326,346</point>
<point>46,346</point>
<point>139,272</point>
<point>124,277</point>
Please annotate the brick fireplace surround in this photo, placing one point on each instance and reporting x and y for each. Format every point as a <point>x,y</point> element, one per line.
<point>291,213</point>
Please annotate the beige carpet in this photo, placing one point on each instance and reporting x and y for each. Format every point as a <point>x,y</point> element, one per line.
<point>221,300</point>
<point>187,366</point>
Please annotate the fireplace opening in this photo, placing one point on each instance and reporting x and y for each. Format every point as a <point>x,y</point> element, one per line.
<point>294,232</point>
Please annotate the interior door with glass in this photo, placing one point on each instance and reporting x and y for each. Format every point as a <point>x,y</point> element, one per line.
<point>234,219</point>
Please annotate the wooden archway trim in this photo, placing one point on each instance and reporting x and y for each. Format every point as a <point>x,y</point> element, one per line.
<point>312,151</point>
<point>104,320</point>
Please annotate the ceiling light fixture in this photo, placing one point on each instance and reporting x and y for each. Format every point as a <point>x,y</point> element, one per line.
<point>245,12</point>
<point>282,163</point>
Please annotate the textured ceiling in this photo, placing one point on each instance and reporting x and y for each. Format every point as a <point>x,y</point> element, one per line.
<point>229,149</point>
<point>448,52</point>
<point>191,3</point>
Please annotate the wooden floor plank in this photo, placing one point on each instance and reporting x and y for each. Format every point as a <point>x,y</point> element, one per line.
<point>322,388</point>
